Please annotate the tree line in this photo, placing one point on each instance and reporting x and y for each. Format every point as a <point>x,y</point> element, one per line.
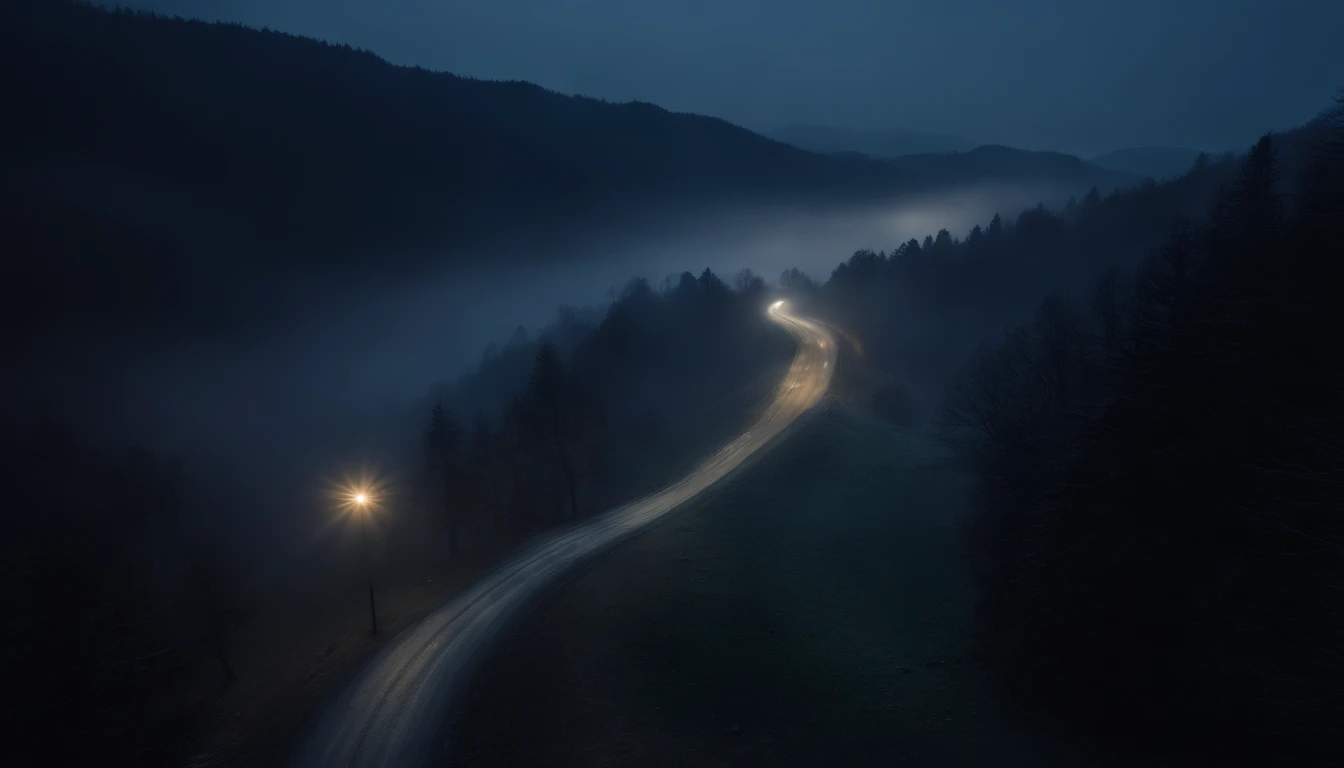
<point>1160,479</point>
<point>554,428</point>
<point>923,306</point>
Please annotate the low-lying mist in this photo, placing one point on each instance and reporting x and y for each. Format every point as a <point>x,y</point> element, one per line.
<point>358,353</point>
<point>344,379</point>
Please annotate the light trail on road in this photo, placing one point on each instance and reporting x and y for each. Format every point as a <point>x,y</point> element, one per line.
<point>397,711</point>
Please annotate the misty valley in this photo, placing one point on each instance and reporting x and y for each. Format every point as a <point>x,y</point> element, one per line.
<point>448,403</point>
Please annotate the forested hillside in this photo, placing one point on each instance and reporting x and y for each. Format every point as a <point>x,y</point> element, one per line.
<point>590,411</point>
<point>1157,443</point>
<point>921,308</point>
<point>1160,463</point>
<point>326,150</point>
<point>166,174</point>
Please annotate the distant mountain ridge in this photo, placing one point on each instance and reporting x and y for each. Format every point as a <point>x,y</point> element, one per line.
<point>1157,162</point>
<point>953,159</point>
<point>306,144</point>
<point>886,143</point>
<point>183,161</point>
<point>995,161</point>
<point>312,147</point>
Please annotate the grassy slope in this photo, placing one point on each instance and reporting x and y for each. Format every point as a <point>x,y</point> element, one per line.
<point>297,654</point>
<point>815,611</point>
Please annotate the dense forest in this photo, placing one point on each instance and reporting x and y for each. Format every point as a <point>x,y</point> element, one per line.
<point>1159,462</point>
<point>571,422</point>
<point>921,308</point>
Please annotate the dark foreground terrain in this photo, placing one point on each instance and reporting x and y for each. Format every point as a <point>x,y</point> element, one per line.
<point>816,611</point>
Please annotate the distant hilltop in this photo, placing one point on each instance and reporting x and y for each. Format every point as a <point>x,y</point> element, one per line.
<point>1157,162</point>
<point>890,142</point>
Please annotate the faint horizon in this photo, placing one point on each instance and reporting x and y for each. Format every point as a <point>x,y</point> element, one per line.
<point>1043,74</point>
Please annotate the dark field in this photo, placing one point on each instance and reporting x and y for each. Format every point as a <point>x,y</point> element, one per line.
<point>815,611</point>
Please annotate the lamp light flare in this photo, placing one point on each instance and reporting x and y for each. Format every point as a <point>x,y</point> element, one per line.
<point>359,497</point>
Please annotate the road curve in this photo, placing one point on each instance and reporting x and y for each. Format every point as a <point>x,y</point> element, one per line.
<point>396,711</point>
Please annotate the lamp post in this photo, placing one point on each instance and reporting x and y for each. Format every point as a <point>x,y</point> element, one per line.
<point>363,508</point>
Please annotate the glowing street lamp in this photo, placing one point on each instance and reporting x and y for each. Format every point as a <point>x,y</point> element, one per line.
<point>361,503</point>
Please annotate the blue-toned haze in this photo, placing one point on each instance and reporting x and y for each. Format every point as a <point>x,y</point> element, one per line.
<point>1084,78</point>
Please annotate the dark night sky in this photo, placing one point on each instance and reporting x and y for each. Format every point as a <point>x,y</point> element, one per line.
<point>1078,76</point>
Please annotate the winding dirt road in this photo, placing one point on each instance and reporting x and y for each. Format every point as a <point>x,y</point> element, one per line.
<point>397,711</point>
